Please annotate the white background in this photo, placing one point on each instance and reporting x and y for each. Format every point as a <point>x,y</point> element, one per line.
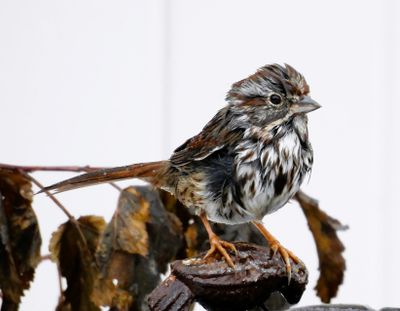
<point>110,83</point>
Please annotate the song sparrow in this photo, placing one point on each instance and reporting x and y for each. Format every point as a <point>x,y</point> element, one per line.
<point>248,161</point>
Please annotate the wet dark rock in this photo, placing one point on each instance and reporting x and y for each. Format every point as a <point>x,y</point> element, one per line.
<point>341,307</point>
<point>334,307</point>
<point>217,286</point>
<point>171,294</point>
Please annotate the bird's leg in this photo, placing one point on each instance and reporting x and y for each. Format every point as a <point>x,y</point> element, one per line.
<point>277,247</point>
<point>216,244</point>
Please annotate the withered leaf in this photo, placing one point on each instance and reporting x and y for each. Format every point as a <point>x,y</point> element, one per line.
<point>141,238</point>
<point>329,247</point>
<point>73,247</point>
<point>128,225</point>
<point>20,238</point>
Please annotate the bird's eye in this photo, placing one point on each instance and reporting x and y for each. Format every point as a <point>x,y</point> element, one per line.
<point>275,99</point>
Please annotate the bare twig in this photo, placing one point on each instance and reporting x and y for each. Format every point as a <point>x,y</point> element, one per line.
<point>58,203</point>
<point>73,168</point>
<point>62,207</point>
<point>51,196</point>
<point>34,168</point>
<point>113,184</point>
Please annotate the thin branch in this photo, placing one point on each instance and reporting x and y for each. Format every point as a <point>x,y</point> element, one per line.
<point>113,184</point>
<point>34,168</point>
<point>58,203</point>
<point>73,168</point>
<point>63,208</point>
<point>51,196</point>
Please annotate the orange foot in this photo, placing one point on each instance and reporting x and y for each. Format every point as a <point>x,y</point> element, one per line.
<point>277,247</point>
<point>285,254</point>
<point>218,245</point>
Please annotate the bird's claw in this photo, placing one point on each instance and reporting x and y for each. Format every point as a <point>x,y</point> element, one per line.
<point>220,246</point>
<point>286,256</point>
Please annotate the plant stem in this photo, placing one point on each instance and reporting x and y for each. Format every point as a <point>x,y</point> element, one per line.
<point>51,196</point>
<point>33,168</point>
<point>72,168</point>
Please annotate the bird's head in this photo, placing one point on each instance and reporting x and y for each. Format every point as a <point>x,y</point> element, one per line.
<point>274,92</point>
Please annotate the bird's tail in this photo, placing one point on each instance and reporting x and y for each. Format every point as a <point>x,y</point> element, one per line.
<point>152,172</point>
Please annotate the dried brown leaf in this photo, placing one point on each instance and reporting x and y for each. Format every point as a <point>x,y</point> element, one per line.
<point>329,247</point>
<point>124,237</point>
<point>73,247</point>
<point>141,238</point>
<point>129,223</point>
<point>20,238</point>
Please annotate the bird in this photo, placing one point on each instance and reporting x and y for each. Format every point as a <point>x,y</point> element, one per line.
<point>248,161</point>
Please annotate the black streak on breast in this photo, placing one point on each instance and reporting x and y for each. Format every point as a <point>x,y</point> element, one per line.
<point>280,183</point>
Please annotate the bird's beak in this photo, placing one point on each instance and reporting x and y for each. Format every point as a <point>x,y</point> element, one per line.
<point>304,105</point>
